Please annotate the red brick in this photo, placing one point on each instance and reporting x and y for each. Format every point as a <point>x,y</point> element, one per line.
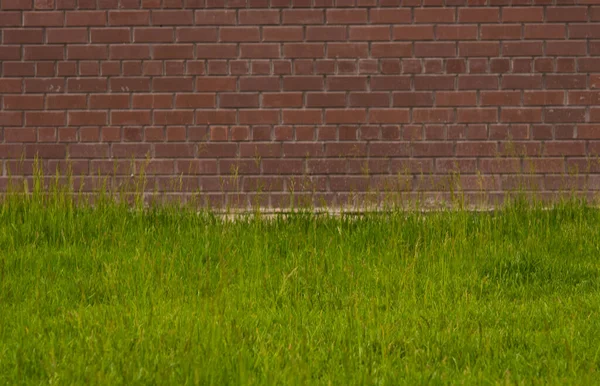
<point>479,15</point>
<point>23,102</point>
<point>473,82</point>
<point>18,135</point>
<point>566,48</point>
<point>132,18</point>
<point>67,35</point>
<point>433,115</point>
<point>130,84</point>
<point>434,15</point>
<point>477,115</point>
<point>259,16</point>
<point>303,83</point>
<point>85,18</point>
<point>545,31</point>
<point>303,16</point>
<point>196,34</point>
<point>218,117</point>
<point>524,115</point>
<point>195,100</point>
<point>172,17</point>
<point>172,84</point>
<point>582,31</point>
<point>109,35</point>
<point>432,149</point>
<point>451,98</point>
<point>564,114</point>
<point>282,167</point>
<point>173,51</point>
<point>87,52</point>
<point>412,99</point>
<point>238,100</point>
<point>87,118</point>
<point>325,33</point>
<point>590,131</point>
<point>500,31</point>
<point>129,51</point>
<point>17,4</point>
<point>434,82</point>
<point>456,32</point>
<point>369,99</point>
<point>356,83</point>
<point>11,118</point>
<point>174,150</point>
<point>152,35</point>
<point>239,34</point>
<point>466,49</point>
<point>45,118</point>
<point>10,19</point>
<point>48,85</point>
<point>543,98</point>
<point>280,34</point>
<point>564,148</point>
<point>137,117</point>
<point>215,17</point>
<point>391,50</point>
<point>258,117</point>
<point>259,83</point>
<point>522,82</point>
<point>389,116</point>
<point>284,99</point>
<point>437,49</point>
<point>304,116</point>
<point>522,14</point>
<point>347,50</point>
<point>216,51</point>
<point>40,53</point>
<point>303,50</point>
<point>217,83</point>
<point>346,16</point>
<point>159,101</point>
<point>355,116</point>
<point>24,36</point>
<point>173,117</point>
<point>86,85</point>
<point>347,149</point>
<point>413,32</point>
<point>11,69</point>
<point>63,102</point>
<point>46,151</point>
<point>522,48</point>
<point>109,101</point>
<point>476,149</point>
<point>369,33</point>
<point>390,16</point>
<point>584,97</point>
<point>557,14</point>
<point>389,149</point>
<point>331,99</point>
<point>43,19</point>
<point>565,81</point>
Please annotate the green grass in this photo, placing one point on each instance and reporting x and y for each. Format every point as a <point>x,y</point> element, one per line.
<point>110,295</point>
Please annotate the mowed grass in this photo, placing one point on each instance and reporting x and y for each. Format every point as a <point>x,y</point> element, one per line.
<point>110,295</point>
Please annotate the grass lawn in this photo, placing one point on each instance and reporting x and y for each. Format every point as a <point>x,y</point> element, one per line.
<point>108,295</point>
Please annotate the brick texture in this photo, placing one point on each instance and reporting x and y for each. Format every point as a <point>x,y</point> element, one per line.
<point>264,99</point>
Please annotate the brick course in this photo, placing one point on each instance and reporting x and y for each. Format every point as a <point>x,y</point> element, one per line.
<point>317,97</point>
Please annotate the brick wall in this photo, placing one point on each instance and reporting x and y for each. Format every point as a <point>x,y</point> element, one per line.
<point>320,97</point>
